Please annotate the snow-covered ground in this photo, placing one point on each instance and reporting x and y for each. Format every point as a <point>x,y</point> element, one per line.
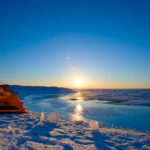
<point>34,131</point>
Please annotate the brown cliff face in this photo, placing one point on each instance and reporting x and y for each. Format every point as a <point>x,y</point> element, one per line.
<point>9,101</point>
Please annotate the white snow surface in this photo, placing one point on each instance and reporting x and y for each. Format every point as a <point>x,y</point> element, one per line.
<point>30,132</point>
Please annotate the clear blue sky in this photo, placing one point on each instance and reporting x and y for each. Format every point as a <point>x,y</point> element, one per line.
<point>105,43</point>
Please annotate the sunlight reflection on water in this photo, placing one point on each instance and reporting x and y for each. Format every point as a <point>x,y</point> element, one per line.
<point>79,98</point>
<point>77,116</point>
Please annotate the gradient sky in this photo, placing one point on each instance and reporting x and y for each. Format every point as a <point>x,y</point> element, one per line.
<point>105,43</point>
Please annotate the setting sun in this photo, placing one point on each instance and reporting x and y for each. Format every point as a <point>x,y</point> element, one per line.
<point>79,83</point>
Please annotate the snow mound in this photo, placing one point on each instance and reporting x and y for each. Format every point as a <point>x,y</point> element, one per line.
<point>38,131</point>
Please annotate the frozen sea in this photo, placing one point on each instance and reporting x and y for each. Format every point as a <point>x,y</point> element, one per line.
<point>130,113</point>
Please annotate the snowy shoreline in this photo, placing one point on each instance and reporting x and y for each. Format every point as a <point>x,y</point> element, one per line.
<point>27,131</point>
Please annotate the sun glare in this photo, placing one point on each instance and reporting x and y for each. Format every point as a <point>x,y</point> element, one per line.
<point>78,83</point>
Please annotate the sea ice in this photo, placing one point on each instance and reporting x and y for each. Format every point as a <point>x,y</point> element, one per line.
<point>94,125</point>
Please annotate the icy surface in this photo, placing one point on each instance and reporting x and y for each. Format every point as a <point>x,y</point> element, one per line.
<point>94,125</point>
<point>76,106</point>
<point>33,131</point>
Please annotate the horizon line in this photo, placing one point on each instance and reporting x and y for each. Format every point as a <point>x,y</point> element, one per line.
<point>79,88</point>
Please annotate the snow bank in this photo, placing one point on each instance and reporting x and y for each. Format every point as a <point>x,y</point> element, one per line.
<point>37,131</point>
